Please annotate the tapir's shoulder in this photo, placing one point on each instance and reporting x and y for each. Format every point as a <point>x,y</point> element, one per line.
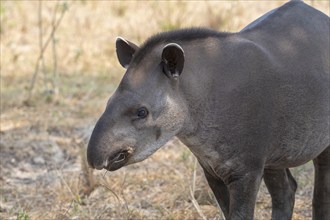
<point>248,48</point>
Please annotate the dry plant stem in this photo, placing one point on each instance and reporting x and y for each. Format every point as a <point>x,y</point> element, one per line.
<point>65,183</point>
<point>123,196</point>
<point>68,209</point>
<point>89,182</point>
<point>105,185</point>
<point>42,50</point>
<point>55,73</point>
<point>170,168</point>
<point>192,192</point>
<point>42,60</point>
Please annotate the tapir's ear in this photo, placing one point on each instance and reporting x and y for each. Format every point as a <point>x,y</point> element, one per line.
<point>173,60</point>
<point>125,51</point>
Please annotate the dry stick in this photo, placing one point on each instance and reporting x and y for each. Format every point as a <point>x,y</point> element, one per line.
<point>65,183</point>
<point>42,60</point>
<point>55,73</point>
<point>87,172</point>
<point>36,70</point>
<point>105,185</point>
<point>113,192</point>
<point>123,196</point>
<point>171,168</point>
<point>192,191</point>
<point>68,209</point>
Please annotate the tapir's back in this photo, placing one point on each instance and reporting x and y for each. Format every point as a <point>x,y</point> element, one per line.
<point>295,38</point>
<point>293,33</point>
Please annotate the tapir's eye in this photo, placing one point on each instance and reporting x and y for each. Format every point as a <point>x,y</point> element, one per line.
<point>142,112</point>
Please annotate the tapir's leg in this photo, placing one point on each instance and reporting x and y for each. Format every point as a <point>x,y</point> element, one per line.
<point>321,197</point>
<point>243,189</point>
<point>282,187</point>
<point>220,192</point>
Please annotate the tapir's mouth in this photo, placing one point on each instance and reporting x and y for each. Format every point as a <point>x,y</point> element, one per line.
<point>118,159</point>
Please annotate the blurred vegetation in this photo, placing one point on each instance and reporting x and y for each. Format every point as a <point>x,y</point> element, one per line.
<point>85,37</point>
<point>86,72</point>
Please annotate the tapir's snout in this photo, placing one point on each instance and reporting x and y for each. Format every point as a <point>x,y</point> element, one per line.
<point>104,152</point>
<point>111,162</point>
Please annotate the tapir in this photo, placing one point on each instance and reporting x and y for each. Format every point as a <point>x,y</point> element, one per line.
<point>249,105</point>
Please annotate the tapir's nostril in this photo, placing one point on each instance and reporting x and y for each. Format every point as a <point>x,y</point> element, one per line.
<point>121,156</point>
<point>118,157</point>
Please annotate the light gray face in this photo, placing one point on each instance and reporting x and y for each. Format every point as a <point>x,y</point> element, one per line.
<point>145,111</point>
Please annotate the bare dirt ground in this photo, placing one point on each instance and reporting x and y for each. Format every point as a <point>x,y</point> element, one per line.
<point>43,140</point>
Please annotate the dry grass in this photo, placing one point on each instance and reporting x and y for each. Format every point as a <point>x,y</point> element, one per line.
<point>43,171</point>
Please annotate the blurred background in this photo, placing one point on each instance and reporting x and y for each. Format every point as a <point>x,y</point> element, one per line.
<point>58,68</point>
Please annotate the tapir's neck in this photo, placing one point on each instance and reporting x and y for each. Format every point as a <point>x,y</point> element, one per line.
<point>202,85</point>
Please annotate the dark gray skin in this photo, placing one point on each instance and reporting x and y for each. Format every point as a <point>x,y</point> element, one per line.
<point>249,105</point>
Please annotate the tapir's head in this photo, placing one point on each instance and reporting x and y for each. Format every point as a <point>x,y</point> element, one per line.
<point>146,110</point>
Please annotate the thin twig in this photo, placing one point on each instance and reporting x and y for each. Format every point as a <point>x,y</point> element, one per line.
<point>68,209</point>
<point>55,73</point>
<point>42,60</point>
<point>89,182</point>
<point>192,192</point>
<point>105,185</point>
<point>36,69</point>
<point>42,50</point>
<point>168,166</point>
<point>121,193</point>
<point>66,184</point>
<point>123,196</point>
